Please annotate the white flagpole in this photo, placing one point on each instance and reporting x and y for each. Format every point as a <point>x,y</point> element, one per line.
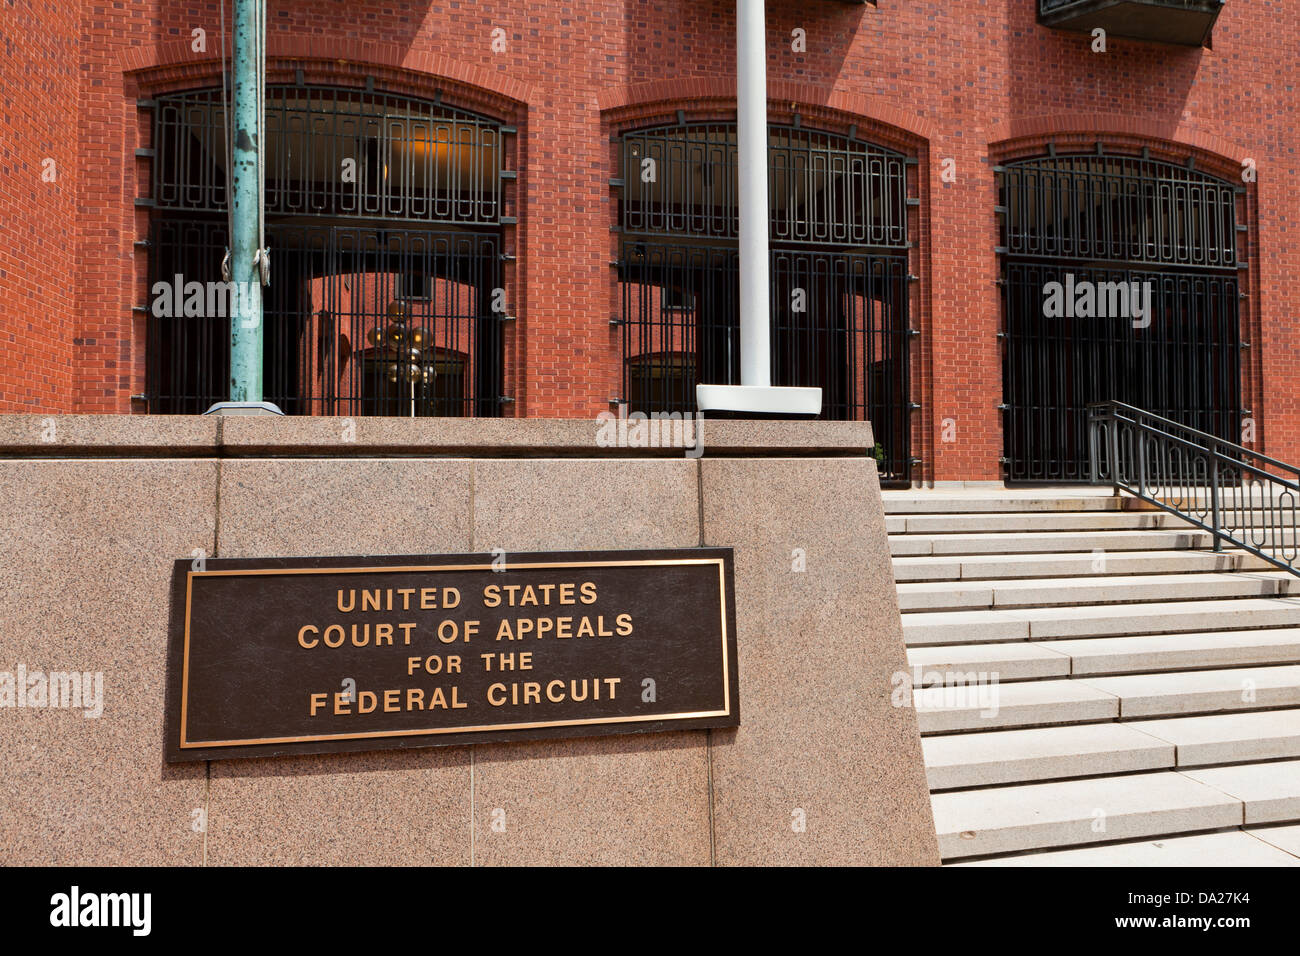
<point>755,393</point>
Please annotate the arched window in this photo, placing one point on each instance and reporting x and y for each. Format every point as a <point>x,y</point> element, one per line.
<point>384,220</point>
<point>1120,282</point>
<point>839,272</point>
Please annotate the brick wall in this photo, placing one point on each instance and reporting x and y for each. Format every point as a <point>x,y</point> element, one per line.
<point>970,81</point>
<point>39,83</point>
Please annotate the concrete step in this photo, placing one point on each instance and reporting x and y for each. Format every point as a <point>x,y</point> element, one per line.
<point>1030,521</point>
<point>1041,753</point>
<point>1270,791</point>
<point>972,594</point>
<point>994,705</point>
<point>1073,812</point>
<point>945,595</point>
<point>911,502</point>
<point>1228,738</point>
<point>1018,624</point>
<point>1014,661</point>
<point>1192,692</point>
<point>1106,656</point>
<point>1101,563</point>
<point>1229,848</point>
<point>1088,670</point>
<point>1286,838</point>
<point>1048,542</point>
<point>1095,656</point>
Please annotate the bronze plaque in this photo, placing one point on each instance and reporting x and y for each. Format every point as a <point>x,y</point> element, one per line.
<point>319,655</point>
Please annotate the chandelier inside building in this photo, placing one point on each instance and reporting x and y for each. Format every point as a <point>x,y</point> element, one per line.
<point>400,352</point>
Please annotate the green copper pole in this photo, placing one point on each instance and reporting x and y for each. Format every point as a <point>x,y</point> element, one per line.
<point>246,295</point>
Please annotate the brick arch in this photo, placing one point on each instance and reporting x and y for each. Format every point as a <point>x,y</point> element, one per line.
<point>173,65</point>
<point>704,100</point>
<point>1169,141</point>
<point>172,68</point>
<point>1027,136</point>
<point>708,98</point>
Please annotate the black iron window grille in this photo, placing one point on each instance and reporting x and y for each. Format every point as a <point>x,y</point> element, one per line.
<point>839,273</point>
<point>823,189</point>
<point>1118,209</point>
<point>337,152</point>
<point>384,223</point>
<point>343,334</point>
<point>1129,234</point>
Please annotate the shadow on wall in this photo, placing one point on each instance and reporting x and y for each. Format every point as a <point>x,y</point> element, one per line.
<point>702,40</point>
<point>1156,78</point>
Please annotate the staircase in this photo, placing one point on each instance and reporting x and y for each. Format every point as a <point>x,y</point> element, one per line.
<point>1140,697</point>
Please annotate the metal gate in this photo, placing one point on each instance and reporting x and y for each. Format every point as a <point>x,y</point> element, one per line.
<point>384,218</point>
<point>839,273</point>
<point>1120,283</point>
<point>359,321</point>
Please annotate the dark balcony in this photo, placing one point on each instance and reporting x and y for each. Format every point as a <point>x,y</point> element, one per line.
<point>1186,22</point>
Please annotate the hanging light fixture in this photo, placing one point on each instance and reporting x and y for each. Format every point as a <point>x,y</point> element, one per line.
<point>401,349</point>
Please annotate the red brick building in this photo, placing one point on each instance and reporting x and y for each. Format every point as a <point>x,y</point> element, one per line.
<point>935,165</point>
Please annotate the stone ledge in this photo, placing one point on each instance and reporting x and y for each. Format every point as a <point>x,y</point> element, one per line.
<point>107,436</point>
<point>121,436</point>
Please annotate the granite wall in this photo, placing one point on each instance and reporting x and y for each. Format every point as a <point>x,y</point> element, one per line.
<point>822,770</point>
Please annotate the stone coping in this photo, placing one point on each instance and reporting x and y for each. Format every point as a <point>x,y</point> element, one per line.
<point>197,436</point>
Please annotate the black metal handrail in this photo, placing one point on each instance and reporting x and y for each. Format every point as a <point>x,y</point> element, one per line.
<point>1241,497</point>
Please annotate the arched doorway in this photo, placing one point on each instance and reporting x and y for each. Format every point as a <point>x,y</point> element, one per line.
<point>839,273</point>
<point>384,218</point>
<point>1120,282</point>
